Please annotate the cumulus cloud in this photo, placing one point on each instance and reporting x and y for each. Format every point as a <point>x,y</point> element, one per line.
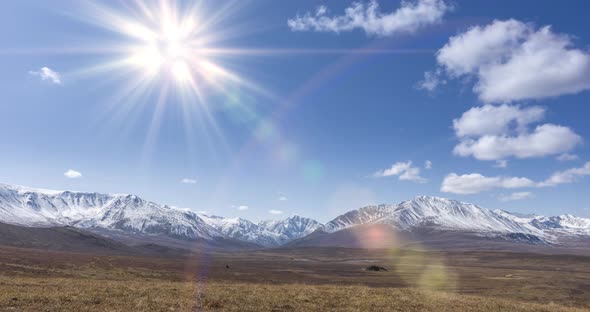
<point>516,196</point>
<point>403,170</point>
<point>495,120</point>
<point>275,212</point>
<point>475,183</point>
<point>411,16</point>
<point>282,198</point>
<point>511,60</point>
<point>498,132</point>
<point>567,157</point>
<point>428,164</point>
<point>242,207</point>
<point>72,174</point>
<point>567,176</point>
<point>188,181</point>
<point>47,74</point>
<point>543,141</point>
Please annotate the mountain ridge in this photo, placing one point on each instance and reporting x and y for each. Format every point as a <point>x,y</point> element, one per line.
<point>131,214</point>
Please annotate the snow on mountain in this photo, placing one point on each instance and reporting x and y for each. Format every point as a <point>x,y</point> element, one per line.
<point>36,207</point>
<point>291,228</point>
<point>441,213</point>
<point>267,233</point>
<point>556,225</point>
<point>244,230</point>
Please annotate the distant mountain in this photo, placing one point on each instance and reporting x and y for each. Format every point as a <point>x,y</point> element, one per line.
<point>133,215</point>
<point>266,233</point>
<point>425,214</point>
<point>557,225</point>
<point>44,208</point>
<point>427,211</point>
<point>243,230</point>
<point>125,214</point>
<point>441,223</point>
<point>291,228</point>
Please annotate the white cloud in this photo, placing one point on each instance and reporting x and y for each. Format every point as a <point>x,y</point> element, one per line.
<point>411,16</point>
<point>516,196</point>
<point>567,157</point>
<point>282,198</point>
<point>275,212</point>
<point>511,60</point>
<point>475,183</point>
<point>501,163</point>
<point>72,174</point>
<point>545,140</point>
<point>495,120</point>
<point>431,81</point>
<point>404,170</point>
<point>242,207</point>
<point>428,164</point>
<point>567,176</point>
<point>498,132</point>
<point>48,74</point>
<point>188,181</point>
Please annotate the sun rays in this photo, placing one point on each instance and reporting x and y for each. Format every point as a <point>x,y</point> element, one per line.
<point>169,43</point>
<point>163,54</point>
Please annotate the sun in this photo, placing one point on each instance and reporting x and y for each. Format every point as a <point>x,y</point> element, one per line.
<point>165,50</point>
<point>162,55</point>
<point>169,43</point>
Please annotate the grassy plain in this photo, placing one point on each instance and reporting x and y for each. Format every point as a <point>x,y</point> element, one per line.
<point>306,279</point>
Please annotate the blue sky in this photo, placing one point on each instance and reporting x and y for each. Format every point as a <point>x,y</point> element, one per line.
<point>320,115</point>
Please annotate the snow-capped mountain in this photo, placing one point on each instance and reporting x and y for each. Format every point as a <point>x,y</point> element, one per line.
<point>130,214</point>
<point>266,233</point>
<point>243,230</point>
<point>37,207</point>
<point>452,215</point>
<point>557,225</point>
<point>431,211</point>
<point>291,228</point>
<point>40,208</point>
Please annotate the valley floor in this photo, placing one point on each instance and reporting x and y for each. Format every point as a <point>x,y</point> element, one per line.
<point>306,279</point>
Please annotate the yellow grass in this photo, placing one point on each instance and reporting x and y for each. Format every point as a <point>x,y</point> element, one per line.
<point>77,294</point>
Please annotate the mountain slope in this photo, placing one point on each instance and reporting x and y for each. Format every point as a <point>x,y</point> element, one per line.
<point>268,233</point>
<point>291,228</point>
<point>434,212</point>
<point>60,238</point>
<point>426,219</point>
<point>243,230</point>
<point>36,208</point>
<point>558,225</point>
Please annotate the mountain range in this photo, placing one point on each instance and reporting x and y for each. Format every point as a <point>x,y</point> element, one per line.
<point>131,215</point>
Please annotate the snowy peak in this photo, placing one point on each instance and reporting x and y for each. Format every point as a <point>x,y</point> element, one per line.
<point>124,212</point>
<point>242,229</point>
<point>291,228</point>
<point>36,207</point>
<point>558,225</point>
<point>435,212</point>
<point>365,215</point>
<point>266,233</point>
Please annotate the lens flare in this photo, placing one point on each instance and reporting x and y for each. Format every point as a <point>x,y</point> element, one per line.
<point>421,268</point>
